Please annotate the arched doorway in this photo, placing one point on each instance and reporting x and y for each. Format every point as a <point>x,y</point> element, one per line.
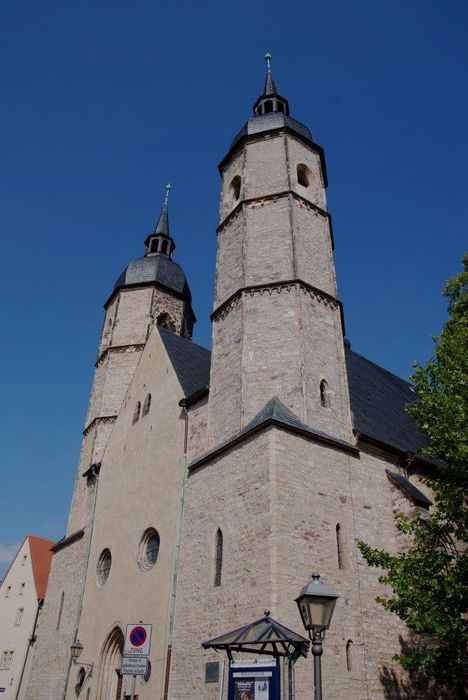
<point>110,678</point>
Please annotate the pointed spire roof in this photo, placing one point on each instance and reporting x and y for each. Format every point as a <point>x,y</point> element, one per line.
<point>270,100</point>
<point>270,85</point>
<point>162,224</point>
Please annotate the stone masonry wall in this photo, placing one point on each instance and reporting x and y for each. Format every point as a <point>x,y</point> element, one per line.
<point>278,499</point>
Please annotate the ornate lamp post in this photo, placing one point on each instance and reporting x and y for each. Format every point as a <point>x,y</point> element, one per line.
<point>316,603</point>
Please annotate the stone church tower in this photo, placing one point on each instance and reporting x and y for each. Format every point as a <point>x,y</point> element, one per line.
<point>210,486</point>
<point>151,290</point>
<point>277,323</point>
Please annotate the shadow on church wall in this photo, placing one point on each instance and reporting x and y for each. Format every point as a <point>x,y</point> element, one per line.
<point>402,685</point>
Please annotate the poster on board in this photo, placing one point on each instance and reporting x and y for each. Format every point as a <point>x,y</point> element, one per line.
<point>252,689</point>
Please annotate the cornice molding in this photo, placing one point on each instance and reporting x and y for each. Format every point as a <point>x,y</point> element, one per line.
<point>265,199</point>
<point>74,537</point>
<point>97,421</point>
<point>274,287</point>
<point>241,437</point>
<point>118,349</point>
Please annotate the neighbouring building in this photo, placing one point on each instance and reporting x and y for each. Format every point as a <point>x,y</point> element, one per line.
<point>22,594</point>
<point>211,485</point>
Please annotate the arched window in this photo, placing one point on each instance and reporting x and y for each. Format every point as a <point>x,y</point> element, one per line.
<point>104,567</point>
<point>149,549</point>
<point>324,394</point>
<point>304,175</point>
<point>136,412</point>
<point>218,558</point>
<point>165,321</point>
<point>146,405</point>
<point>339,546</point>
<point>235,187</point>
<point>349,654</point>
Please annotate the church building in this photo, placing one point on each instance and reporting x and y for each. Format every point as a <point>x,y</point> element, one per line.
<point>210,485</point>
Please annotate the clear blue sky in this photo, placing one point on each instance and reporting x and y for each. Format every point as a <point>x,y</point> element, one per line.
<point>104,102</point>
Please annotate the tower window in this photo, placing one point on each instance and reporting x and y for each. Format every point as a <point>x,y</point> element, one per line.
<point>339,546</point>
<point>154,246</point>
<point>304,175</point>
<point>218,558</point>
<point>136,413</point>
<point>268,106</point>
<point>235,187</point>
<point>146,405</point>
<point>349,654</point>
<point>324,394</point>
<point>104,567</point>
<point>166,321</point>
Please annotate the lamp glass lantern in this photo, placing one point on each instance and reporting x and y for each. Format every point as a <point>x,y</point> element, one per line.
<point>316,603</point>
<point>76,649</point>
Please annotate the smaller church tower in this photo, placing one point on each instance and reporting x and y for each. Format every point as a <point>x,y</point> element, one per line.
<point>152,290</point>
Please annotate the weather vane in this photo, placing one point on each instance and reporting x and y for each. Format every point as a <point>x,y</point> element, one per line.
<point>268,60</point>
<point>168,189</point>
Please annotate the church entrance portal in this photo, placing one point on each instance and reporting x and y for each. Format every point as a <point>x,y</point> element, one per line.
<point>110,678</point>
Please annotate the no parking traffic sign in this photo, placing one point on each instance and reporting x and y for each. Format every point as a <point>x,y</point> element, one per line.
<point>137,640</point>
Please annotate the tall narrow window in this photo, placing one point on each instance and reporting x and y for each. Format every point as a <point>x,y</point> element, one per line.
<point>19,616</point>
<point>21,589</point>
<point>324,394</point>
<point>136,413</point>
<point>7,592</point>
<point>235,187</point>
<point>23,562</point>
<point>219,558</point>
<point>339,547</point>
<point>146,405</point>
<point>349,654</point>
<point>304,175</point>
<point>59,616</point>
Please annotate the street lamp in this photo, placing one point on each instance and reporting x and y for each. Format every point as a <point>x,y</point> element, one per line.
<point>316,603</point>
<point>76,648</point>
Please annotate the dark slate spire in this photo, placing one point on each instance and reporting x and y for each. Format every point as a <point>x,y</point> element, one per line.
<point>270,101</point>
<point>162,225</point>
<point>160,240</point>
<point>270,86</point>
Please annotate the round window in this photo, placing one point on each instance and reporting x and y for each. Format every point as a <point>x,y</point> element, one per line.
<point>104,567</point>
<point>149,549</point>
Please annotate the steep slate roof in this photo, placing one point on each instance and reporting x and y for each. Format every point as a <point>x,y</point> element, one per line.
<point>378,400</point>
<point>191,362</point>
<point>41,558</point>
<point>378,397</point>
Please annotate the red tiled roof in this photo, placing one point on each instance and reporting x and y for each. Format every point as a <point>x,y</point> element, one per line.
<point>41,557</point>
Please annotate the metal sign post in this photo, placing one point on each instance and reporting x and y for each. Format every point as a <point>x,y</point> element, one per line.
<point>132,692</point>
